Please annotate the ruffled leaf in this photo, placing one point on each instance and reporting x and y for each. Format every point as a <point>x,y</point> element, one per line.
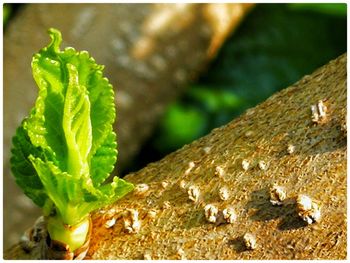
<point>23,170</point>
<point>66,148</point>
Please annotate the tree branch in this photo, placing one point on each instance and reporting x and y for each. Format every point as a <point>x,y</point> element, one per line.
<point>175,227</point>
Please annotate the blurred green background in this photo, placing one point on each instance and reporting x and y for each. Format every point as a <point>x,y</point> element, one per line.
<point>275,45</point>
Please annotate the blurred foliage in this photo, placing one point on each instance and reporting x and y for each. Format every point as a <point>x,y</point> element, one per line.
<point>193,121</point>
<point>202,108</point>
<point>331,9</point>
<point>6,12</point>
<point>9,11</point>
<point>274,47</point>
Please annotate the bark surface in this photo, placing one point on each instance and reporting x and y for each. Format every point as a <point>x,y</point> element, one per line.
<point>150,52</point>
<point>174,227</point>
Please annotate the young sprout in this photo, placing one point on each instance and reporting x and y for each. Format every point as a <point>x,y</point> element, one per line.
<point>66,148</point>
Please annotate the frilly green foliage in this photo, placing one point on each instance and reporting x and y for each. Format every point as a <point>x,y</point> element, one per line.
<point>64,151</point>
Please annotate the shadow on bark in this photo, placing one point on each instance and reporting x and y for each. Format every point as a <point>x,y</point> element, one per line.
<point>265,211</point>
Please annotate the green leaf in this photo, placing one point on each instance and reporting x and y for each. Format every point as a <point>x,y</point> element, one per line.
<point>58,185</point>
<point>102,163</point>
<point>23,170</point>
<point>104,195</point>
<point>51,73</point>
<point>77,125</point>
<point>66,148</point>
<point>74,198</point>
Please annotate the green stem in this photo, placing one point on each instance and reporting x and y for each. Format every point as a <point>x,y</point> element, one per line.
<point>74,236</point>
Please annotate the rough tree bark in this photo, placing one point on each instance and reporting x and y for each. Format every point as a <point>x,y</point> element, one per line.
<point>150,52</point>
<point>174,227</point>
<point>316,168</point>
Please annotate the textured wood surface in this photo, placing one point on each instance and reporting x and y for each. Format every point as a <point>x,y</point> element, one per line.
<point>317,168</point>
<point>174,227</point>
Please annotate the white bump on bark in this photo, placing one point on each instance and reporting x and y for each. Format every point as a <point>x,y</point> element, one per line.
<point>152,213</point>
<point>141,189</point>
<point>211,213</point>
<point>318,112</point>
<point>262,165</point>
<point>165,184</point>
<point>245,165</point>
<point>277,194</point>
<point>131,221</point>
<point>191,165</point>
<point>109,223</point>
<point>291,148</point>
<point>224,193</point>
<point>219,171</point>
<point>249,241</point>
<point>307,209</point>
<point>206,150</point>
<point>193,193</point>
<point>183,184</point>
<point>229,215</point>
<point>181,254</point>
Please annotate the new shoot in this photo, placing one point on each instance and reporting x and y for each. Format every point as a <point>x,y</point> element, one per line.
<point>66,148</point>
